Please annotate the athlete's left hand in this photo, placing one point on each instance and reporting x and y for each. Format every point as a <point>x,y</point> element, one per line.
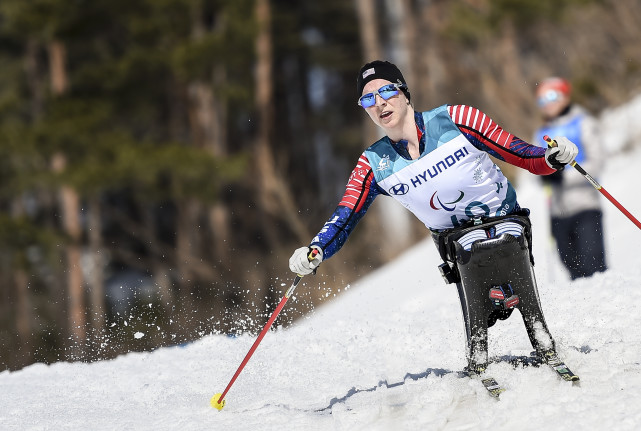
<point>563,153</point>
<point>300,264</point>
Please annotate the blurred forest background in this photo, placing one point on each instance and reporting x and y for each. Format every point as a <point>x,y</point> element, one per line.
<point>161,159</point>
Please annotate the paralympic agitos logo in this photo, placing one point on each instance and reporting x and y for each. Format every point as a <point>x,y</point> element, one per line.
<point>443,204</point>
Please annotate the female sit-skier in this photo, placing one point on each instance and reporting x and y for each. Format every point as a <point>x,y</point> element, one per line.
<point>436,163</point>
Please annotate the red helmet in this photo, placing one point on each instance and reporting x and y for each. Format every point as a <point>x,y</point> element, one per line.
<point>549,89</point>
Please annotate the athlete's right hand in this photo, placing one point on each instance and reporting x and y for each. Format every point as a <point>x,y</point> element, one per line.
<point>300,264</point>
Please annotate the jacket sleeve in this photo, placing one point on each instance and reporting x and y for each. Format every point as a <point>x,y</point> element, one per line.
<point>486,135</point>
<point>360,191</point>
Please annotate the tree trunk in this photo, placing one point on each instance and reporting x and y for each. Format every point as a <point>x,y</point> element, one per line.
<point>32,71</point>
<point>394,236</point>
<point>403,34</point>
<point>97,275</point>
<point>274,194</point>
<point>70,203</point>
<point>23,307</point>
<point>219,219</point>
<point>208,118</point>
<point>57,67</point>
<point>432,71</point>
<point>187,220</point>
<point>36,74</point>
<point>400,234</point>
<point>24,315</point>
<point>368,25</point>
<point>208,123</point>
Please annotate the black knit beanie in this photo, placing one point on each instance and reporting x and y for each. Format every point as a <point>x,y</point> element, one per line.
<point>379,69</point>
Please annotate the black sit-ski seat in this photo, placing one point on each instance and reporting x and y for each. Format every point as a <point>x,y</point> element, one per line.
<point>493,278</point>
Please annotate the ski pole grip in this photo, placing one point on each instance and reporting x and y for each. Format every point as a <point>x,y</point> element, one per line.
<point>551,142</point>
<point>312,254</point>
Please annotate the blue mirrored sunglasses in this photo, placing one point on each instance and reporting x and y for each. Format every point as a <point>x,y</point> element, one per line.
<point>386,91</point>
<point>549,97</point>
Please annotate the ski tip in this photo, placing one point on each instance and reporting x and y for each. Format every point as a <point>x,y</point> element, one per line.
<point>216,402</point>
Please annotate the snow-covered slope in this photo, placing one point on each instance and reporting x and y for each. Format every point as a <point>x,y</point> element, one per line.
<point>377,357</point>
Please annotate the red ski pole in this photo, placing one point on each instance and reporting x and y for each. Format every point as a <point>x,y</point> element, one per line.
<point>552,143</point>
<point>218,400</point>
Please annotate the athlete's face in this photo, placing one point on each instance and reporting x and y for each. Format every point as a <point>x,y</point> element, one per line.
<point>389,113</point>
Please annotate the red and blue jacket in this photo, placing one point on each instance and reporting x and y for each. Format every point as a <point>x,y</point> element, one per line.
<point>451,181</point>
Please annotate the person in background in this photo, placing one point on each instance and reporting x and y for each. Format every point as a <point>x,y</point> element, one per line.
<point>576,217</point>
